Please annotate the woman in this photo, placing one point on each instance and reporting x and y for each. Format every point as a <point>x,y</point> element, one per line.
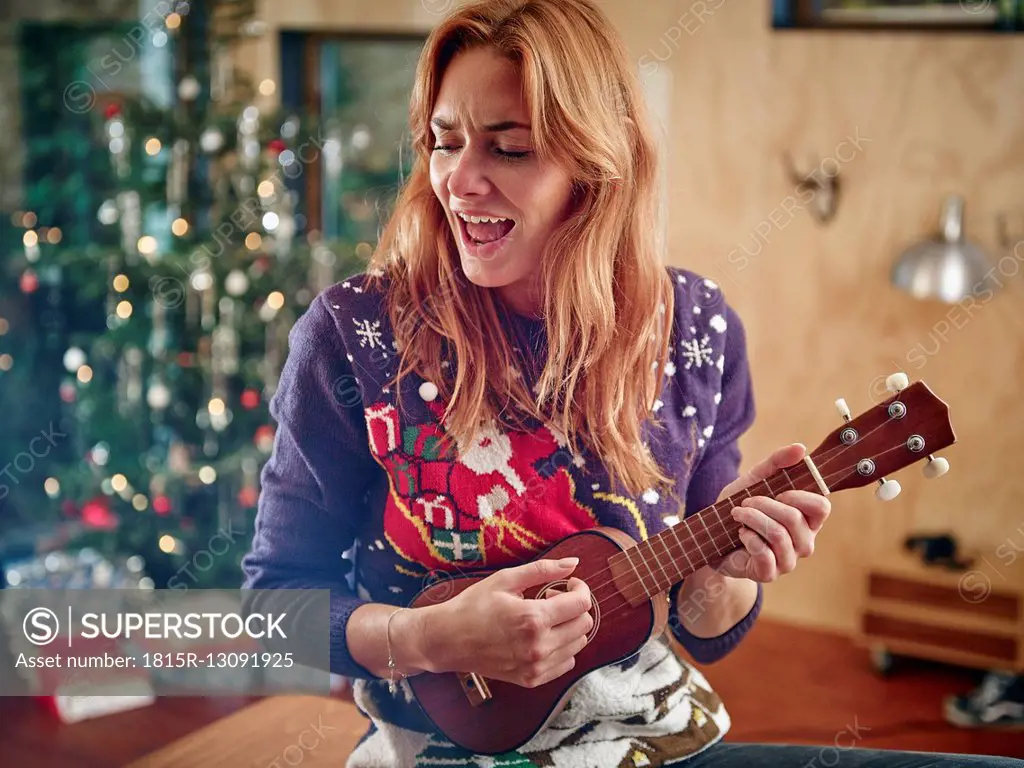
<point>518,365</point>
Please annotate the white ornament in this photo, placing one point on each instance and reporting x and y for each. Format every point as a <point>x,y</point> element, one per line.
<point>188,88</point>
<point>670,368</point>
<point>236,283</point>
<point>74,359</point>
<point>158,396</point>
<point>107,213</point>
<point>211,140</point>
<point>708,430</point>
<point>718,323</point>
<point>651,496</point>
<point>689,411</point>
<point>428,391</point>
<point>718,397</point>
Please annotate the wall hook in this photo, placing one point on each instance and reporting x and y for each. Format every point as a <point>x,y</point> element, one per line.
<point>817,190</point>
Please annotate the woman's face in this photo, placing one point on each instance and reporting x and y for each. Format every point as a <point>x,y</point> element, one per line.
<point>483,167</point>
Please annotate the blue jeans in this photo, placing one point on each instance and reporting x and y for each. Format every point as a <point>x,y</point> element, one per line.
<point>738,755</point>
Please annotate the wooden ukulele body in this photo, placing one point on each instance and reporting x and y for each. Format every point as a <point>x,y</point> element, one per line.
<point>491,716</point>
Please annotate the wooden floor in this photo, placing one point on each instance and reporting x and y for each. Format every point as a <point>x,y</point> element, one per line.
<point>783,685</point>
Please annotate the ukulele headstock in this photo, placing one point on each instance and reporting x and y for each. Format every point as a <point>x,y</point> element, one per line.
<point>908,427</point>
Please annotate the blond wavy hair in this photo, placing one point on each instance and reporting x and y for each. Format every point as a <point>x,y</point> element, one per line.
<point>608,298</point>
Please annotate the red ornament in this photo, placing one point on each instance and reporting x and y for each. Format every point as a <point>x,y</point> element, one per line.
<point>96,514</point>
<point>264,438</point>
<point>67,392</point>
<point>248,497</point>
<point>277,146</point>
<point>29,282</point>
<point>113,109</point>
<point>161,505</point>
<point>250,399</point>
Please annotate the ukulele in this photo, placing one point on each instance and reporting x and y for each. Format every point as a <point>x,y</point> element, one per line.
<point>629,580</point>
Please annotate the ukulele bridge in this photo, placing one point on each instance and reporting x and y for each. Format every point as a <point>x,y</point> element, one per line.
<point>475,687</point>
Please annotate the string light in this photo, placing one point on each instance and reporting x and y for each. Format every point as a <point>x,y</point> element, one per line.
<point>147,245</point>
<point>124,309</point>
<point>119,482</point>
<point>30,238</point>
<point>4,326</point>
<point>52,487</point>
<point>275,300</point>
<point>85,374</point>
<point>140,502</point>
<point>265,189</point>
<point>54,235</point>
<point>121,283</point>
<point>28,220</point>
<point>267,87</point>
<point>253,241</point>
<point>153,146</point>
<point>173,21</point>
<point>6,362</point>
<point>216,406</point>
<point>208,475</point>
<point>168,544</point>
<point>179,227</point>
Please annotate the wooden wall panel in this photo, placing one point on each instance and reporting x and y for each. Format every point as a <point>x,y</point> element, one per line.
<point>936,114</point>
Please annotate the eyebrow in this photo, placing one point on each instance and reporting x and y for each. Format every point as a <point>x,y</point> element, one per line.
<point>504,125</point>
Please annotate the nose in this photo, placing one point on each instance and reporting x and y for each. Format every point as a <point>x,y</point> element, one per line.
<point>468,177</point>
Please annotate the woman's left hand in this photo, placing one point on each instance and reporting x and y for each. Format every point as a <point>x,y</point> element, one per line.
<point>777,532</point>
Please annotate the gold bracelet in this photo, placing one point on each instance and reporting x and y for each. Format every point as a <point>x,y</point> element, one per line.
<point>391,658</point>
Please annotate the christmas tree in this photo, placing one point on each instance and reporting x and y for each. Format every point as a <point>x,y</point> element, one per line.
<point>148,343</point>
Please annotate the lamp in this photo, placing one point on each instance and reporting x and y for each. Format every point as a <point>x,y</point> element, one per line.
<point>947,267</point>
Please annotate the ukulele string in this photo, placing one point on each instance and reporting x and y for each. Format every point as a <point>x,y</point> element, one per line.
<point>726,530</point>
<point>733,525</point>
<point>729,529</point>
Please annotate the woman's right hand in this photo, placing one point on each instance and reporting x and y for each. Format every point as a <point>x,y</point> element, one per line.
<point>491,629</point>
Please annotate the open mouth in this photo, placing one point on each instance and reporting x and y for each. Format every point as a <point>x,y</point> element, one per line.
<point>484,232</point>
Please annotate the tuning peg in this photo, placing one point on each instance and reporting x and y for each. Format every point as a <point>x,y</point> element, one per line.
<point>843,409</point>
<point>887,490</point>
<point>936,467</point>
<point>896,382</point>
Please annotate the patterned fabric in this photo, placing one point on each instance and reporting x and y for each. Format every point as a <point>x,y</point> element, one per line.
<point>349,468</point>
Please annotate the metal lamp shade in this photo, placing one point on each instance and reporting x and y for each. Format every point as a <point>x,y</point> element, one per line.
<point>946,268</point>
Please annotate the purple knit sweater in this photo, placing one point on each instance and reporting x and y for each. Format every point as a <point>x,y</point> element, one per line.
<point>349,473</point>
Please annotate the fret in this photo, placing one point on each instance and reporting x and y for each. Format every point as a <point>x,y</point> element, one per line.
<point>654,578</point>
<point>789,479</point>
<point>721,521</point>
<point>664,547</point>
<point>771,493</point>
<point>682,546</point>
<point>704,523</point>
<point>696,541</point>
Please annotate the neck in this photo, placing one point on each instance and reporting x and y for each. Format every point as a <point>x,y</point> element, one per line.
<point>654,565</point>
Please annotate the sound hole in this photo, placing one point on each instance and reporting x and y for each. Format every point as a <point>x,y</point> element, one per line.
<point>562,585</point>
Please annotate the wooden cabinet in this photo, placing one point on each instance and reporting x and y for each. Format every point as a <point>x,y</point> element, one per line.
<point>972,618</point>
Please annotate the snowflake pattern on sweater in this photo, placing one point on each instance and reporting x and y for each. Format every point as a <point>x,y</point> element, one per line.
<point>350,468</point>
